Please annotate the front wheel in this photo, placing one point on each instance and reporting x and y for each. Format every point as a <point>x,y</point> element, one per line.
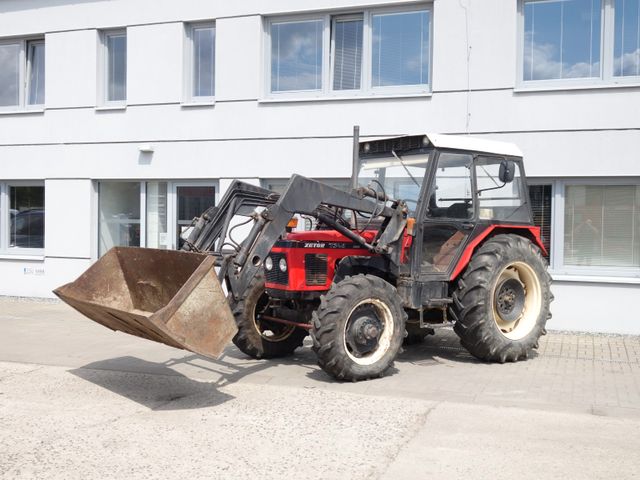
<point>501,302</point>
<point>358,329</point>
<point>257,337</point>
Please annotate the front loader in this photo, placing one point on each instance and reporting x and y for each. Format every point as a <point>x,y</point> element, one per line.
<point>437,231</point>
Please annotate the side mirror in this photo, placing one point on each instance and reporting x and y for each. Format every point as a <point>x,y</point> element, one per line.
<point>507,171</point>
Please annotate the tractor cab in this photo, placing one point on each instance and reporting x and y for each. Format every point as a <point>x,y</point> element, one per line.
<point>455,189</point>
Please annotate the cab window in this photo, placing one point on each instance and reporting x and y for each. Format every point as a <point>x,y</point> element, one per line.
<point>451,195</point>
<point>498,199</point>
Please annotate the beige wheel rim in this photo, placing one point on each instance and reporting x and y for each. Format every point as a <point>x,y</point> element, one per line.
<point>385,318</point>
<point>517,324</point>
<point>268,334</point>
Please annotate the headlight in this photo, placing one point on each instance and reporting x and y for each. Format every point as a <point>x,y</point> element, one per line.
<point>268,264</point>
<point>283,265</point>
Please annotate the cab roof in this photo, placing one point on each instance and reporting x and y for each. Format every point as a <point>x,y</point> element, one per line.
<point>461,142</point>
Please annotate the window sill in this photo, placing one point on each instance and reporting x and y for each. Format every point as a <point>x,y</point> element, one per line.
<point>337,98</point>
<point>563,277</point>
<point>110,108</point>
<point>22,257</point>
<point>559,87</point>
<point>23,111</point>
<point>196,104</point>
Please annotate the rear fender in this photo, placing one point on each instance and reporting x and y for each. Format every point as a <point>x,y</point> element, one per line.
<point>528,231</point>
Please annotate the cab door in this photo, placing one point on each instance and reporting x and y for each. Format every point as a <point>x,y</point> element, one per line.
<point>448,218</point>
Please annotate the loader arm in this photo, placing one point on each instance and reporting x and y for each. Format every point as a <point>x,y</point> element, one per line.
<point>301,195</point>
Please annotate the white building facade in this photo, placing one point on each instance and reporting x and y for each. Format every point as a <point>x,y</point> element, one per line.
<point>121,120</point>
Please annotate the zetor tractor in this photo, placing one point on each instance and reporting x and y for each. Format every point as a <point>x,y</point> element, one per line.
<point>437,231</point>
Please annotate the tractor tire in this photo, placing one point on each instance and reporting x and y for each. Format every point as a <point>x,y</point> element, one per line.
<point>358,329</point>
<point>501,301</point>
<point>262,339</point>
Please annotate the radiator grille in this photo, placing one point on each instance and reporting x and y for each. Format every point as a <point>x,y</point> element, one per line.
<point>315,269</point>
<point>276,275</point>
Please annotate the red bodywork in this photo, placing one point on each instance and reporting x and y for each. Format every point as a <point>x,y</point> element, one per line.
<point>327,242</point>
<point>336,247</point>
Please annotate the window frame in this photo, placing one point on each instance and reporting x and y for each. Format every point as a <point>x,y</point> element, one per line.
<point>24,70</point>
<point>367,90</point>
<point>103,69</point>
<point>5,249</point>
<point>189,63</point>
<point>607,43</point>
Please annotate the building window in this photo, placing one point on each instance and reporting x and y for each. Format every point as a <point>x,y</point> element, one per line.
<point>115,66</point>
<point>562,39</point>
<point>148,214</point>
<point>541,197</point>
<point>22,217</point>
<point>580,41</point>
<point>602,226</point>
<point>119,214</point>
<point>21,74</point>
<point>202,59</point>
<point>157,212</point>
<point>366,53</point>
<point>192,201</point>
<point>626,58</point>
<point>296,55</point>
<point>347,52</point>
<point>401,46</point>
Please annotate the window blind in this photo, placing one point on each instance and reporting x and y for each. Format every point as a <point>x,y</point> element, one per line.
<point>540,196</point>
<point>602,225</point>
<point>347,57</point>
<point>400,53</point>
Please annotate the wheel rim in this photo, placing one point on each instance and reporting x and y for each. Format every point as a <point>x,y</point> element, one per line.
<point>269,331</point>
<point>368,331</point>
<point>517,300</point>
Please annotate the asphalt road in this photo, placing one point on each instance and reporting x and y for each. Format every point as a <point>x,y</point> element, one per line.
<point>78,401</point>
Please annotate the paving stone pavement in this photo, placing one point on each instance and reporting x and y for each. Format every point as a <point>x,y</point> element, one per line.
<point>590,373</point>
<point>78,401</point>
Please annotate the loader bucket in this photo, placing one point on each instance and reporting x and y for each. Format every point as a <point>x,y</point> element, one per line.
<point>162,295</point>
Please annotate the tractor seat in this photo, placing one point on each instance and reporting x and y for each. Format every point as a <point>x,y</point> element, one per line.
<point>459,210</point>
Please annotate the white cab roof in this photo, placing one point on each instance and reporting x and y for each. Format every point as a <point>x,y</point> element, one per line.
<point>463,142</point>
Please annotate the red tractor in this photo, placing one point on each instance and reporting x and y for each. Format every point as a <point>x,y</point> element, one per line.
<point>436,231</point>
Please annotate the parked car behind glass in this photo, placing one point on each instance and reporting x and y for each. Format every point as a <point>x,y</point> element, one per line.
<point>27,229</point>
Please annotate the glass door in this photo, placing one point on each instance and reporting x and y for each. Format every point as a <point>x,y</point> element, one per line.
<point>191,202</point>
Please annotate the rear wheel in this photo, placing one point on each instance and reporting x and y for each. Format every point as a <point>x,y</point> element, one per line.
<point>358,328</point>
<point>259,338</point>
<point>501,302</point>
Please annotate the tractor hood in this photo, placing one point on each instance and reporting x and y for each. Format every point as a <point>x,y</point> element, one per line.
<point>326,236</point>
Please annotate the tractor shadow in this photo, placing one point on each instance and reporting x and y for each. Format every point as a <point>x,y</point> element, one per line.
<point>158,386</point>
<point>442,347</point>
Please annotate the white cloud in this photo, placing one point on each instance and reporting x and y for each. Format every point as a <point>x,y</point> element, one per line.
<point>627,64</point>
<point>541,63</point>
